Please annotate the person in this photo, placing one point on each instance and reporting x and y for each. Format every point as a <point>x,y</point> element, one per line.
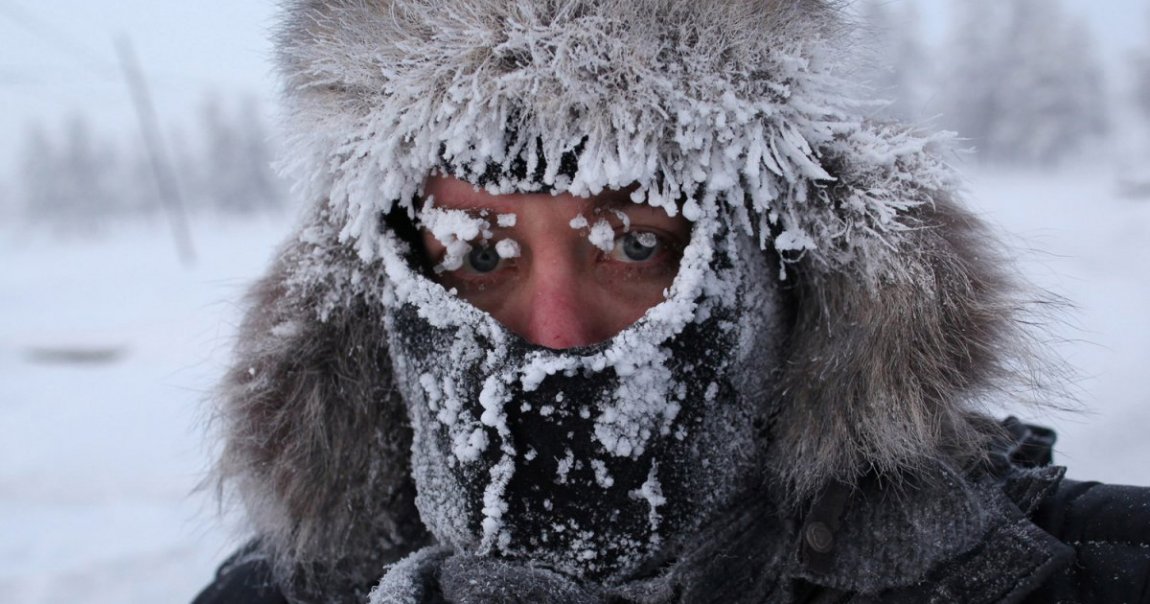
<point>602,301</point>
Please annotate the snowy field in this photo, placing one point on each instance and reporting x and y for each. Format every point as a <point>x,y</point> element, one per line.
<point>1078,238</point>
<point>108,348</point>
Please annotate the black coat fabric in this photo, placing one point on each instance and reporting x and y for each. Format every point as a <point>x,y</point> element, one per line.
<point>245,578</point>
<point>1108,527</point>
<point>1073,542</point>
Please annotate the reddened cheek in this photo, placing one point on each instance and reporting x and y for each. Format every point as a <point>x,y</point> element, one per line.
<point>627,295</point>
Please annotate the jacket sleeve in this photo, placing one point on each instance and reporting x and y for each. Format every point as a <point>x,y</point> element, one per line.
<point>1109,528</point>
<point>245,578</point>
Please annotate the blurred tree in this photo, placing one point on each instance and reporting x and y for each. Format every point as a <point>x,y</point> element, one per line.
<point>70,186</point>
<point>38,168</point>
<point>1023,82</point>
<point>1054,101</point>
<point>77,182</point>
<point>901,68</point>
<point>87,173</point>
<point>972,76</point>
<point>1141,65</point>
<point>235,173</point>
<point>1134,173</point>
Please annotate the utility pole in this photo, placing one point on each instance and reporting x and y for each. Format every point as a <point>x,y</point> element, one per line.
<point>161,168</point>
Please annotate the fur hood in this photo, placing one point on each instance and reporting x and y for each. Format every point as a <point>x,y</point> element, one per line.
<point>904,320</point>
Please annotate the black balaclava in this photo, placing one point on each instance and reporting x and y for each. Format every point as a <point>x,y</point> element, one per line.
<point>595,462</point>
<point>733,112</point>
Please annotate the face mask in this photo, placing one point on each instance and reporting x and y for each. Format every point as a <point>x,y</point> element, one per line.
<point>596,462</point>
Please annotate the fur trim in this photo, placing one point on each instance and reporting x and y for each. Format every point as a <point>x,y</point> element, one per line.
<point>893,378</point>
<point>684,100</point>
<point>904,320</point>
<point>317,440</point>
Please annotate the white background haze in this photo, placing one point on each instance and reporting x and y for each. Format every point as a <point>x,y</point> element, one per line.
<point>99,459</point>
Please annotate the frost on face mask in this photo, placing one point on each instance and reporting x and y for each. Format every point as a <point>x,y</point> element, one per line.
<point>590,461</point>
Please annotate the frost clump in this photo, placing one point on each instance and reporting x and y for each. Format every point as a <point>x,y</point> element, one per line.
<point>602,476</point>
<point>651,491</point>
<point>469,447</point>
<point>495,506</point>
<point>641,407</point>
<point>564,467</point>
<point>507,248</point>
<point>286,329</point>
<point>455,229</point>
<point>602,236</point>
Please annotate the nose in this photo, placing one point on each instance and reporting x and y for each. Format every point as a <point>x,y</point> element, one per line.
<point>556,310</point>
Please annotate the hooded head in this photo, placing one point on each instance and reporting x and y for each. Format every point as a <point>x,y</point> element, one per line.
<point>833,312</point>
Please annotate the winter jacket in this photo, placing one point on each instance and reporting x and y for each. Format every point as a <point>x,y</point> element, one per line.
<point>1066,542</point>
<point>802,418</point>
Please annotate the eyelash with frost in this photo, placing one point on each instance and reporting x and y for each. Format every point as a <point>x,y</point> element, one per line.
<point>454,229</point>
<point>602,234</point>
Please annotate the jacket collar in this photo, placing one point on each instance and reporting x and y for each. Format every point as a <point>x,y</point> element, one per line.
<point>955,543</point>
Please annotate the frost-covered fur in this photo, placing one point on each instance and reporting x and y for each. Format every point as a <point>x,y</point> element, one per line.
<point>681,100</point>
<point>891,378</point>
<point>317,441</point>
<point>904,320</point>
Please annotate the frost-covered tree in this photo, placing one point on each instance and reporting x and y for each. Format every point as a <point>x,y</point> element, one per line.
<point>899,69</point>
<point>263,185</point>
<point>1142,84</point>
<point>1023,83</point>
<point>140,194</point>
<point>8,208</point>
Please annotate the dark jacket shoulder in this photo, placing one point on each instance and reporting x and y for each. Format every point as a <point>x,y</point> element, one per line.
<point>244,578</point>
<point>1108,527</point>
<point>1062,541</point>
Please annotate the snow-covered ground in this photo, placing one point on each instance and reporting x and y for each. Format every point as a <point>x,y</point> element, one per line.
<point>99,458</point>
<point>1080,239</point>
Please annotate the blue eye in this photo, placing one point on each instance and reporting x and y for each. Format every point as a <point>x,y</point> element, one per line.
<point>636,246</point>
<point>483,259</point>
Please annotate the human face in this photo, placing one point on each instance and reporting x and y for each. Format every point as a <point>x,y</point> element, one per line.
<point>586,268</point>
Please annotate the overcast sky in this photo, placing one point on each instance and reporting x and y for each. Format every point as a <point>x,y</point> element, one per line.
<point>57,57</point>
